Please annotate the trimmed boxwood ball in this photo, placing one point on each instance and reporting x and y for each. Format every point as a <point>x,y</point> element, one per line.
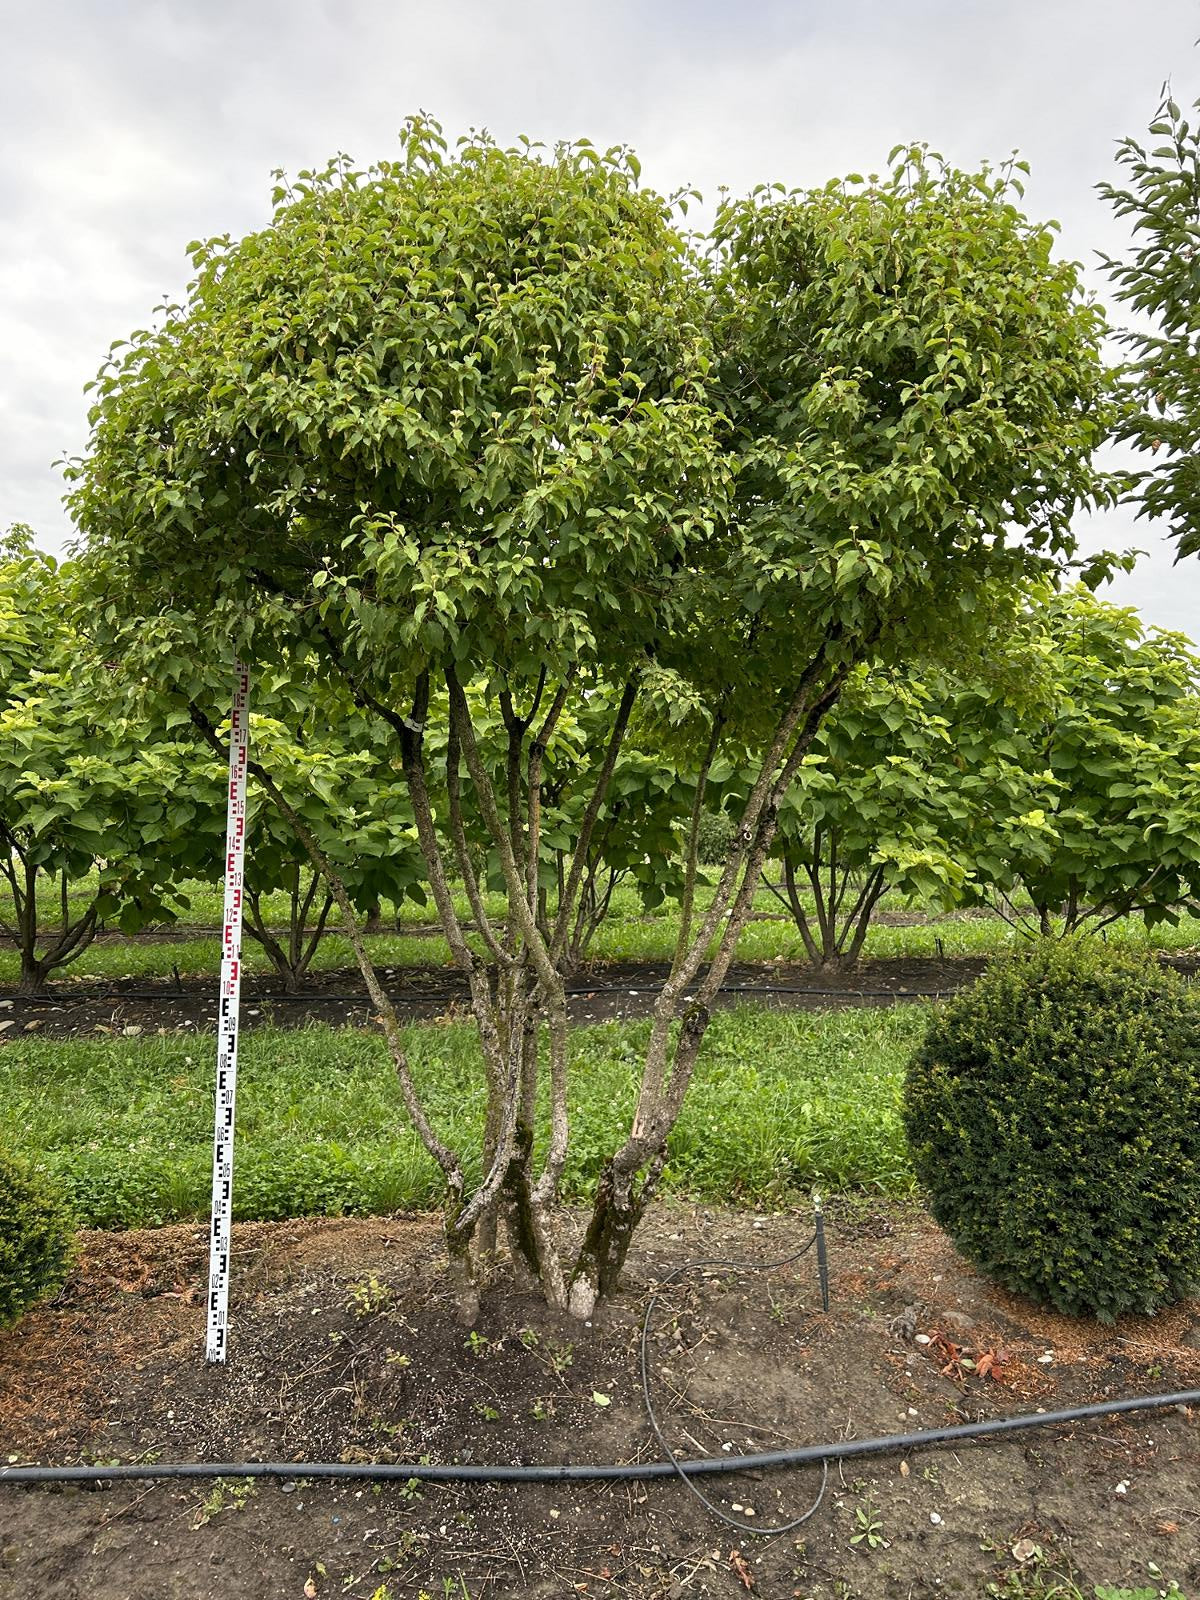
<point>37,1238</point>
<point>1053,1114</point>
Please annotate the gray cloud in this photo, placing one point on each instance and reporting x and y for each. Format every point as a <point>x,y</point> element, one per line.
<point>135,126</point>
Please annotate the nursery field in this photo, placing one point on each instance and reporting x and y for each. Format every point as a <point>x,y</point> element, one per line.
<point>165,979</point>
<point>906,931</point>
<point>345,1347</point>
<point>644,638</point>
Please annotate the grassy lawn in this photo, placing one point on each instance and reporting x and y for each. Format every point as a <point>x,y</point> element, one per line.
<point>201,957</point>
<point>625,936</point>
<point>780,1103</point>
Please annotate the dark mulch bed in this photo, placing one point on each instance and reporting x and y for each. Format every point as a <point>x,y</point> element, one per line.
<point>603,992</point>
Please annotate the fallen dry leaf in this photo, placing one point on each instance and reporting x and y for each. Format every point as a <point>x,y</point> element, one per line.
<point>742,1567</point>
<point>991,1364</point>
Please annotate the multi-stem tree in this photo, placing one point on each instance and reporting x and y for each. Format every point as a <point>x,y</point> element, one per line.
<point>480,433</point>
<point>911,788</point>
<point>1055,776</point>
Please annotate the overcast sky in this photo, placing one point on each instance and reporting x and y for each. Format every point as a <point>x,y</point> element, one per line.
<point>131,127</point>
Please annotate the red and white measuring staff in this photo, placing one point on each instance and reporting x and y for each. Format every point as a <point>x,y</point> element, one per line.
<point>227,1021</point>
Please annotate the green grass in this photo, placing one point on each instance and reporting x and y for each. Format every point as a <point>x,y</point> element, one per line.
<point>198,958</point>
<point>781,1102</point>
<point>626,936</point>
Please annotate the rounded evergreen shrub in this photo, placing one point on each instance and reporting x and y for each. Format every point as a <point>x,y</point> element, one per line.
<point>714,839</point>
<point>1053,1114</point>
<point>37,1238</point>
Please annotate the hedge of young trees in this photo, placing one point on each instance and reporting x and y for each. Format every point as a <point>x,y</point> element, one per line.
<point>1054,776</point>
<point>105,817</point>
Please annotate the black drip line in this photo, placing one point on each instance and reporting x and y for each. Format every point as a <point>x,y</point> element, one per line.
<point>624,1472</point>
<point>442,996</point>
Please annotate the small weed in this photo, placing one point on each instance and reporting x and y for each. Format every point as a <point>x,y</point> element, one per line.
<point>226,1494</point>
<point>478,1344</point>
<point>488,1413</point>
<point>869,1527</point>
<point>561,1356</point>
<point>369,1297</point>
<point>1144,1591</point>
<point>405,1547</point>
<point>410,1489</point>
<point>1040,1579</point>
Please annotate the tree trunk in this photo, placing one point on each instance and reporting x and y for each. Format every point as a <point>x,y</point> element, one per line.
<point>616,1212</point>
<point>33,976</point>
<point>516,1200</point>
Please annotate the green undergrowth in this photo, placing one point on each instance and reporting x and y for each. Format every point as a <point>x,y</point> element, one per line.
<point>621,938</point>
<point>780,1103</point>
<point>108,960</point>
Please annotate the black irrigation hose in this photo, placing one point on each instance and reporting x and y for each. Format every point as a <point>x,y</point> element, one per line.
<point>464,1472</point>
<point>636,1472</point>
<point>315,997</point>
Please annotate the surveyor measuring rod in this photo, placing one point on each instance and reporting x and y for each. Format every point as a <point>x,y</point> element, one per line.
<point>227,1021</point>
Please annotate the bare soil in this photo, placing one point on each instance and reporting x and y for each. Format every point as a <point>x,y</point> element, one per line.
<point>602,992</point>
<point>344,1347</point>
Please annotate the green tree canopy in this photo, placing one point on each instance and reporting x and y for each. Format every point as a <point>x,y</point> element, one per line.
<point>81,788</point>
<point>913,787</point>
<point>449,412</point>
<point>1057,769</point>
<point>1160,282</point>
<point>1117,745</point>
<point>481,430</point>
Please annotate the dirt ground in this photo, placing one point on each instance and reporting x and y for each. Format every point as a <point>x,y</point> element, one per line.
<point>602,992</point>
<point>344,1347</point>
